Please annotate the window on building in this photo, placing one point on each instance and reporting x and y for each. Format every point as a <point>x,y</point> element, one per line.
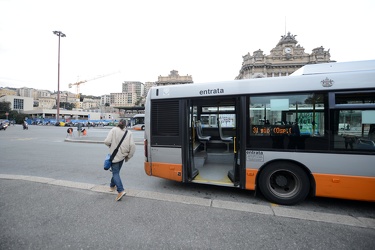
<point>18,104</point>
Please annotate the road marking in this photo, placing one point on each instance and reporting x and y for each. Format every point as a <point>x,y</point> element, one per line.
<point>271,210</point>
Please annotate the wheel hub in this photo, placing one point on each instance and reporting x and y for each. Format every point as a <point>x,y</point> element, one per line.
<point>281,180</point>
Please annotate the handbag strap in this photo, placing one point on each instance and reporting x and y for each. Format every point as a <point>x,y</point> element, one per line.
<point>115,151</point>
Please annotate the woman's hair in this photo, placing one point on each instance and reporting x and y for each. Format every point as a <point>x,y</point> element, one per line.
<point>121,124</point>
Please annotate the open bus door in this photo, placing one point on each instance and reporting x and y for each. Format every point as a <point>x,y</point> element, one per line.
<point>237,174</point>
<point>187,128</point>
<point>212,157</point>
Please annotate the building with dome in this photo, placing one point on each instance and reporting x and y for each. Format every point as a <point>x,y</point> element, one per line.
<point>284,59</point>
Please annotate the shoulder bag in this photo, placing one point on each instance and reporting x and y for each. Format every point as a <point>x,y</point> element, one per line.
<point>109,158</point>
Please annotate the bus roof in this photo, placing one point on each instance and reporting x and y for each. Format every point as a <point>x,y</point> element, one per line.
<point>358,75</point>
<point>335,67</point>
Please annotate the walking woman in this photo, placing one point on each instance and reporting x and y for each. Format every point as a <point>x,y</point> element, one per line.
<point>125,152</point>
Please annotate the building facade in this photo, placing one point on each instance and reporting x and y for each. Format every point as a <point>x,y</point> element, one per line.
<point>18,103</point>
<point>7,91</point>
<point>148,85</point>
<point>284,59</point>
<point>133,87</point>
<point>70,114</point>
<point>123,99</point>
<point>26,92</point>
<point>104,99</point>
<point>89,103</point>
<point>174,78</point>
<point>46,102</point>
<point>43,93</point>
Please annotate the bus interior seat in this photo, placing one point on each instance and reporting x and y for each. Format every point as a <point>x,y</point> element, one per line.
<point>225,139</point>
<point>202,138</point>
<point>365,144</point>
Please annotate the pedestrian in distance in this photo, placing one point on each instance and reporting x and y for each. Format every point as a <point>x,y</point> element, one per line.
<point>25,125</point>
<point>125,152</point>
<point>79,129</point>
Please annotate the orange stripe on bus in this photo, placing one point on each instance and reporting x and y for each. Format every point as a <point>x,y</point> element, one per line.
<point>345,187</point>
<point>147,167</point>
<point>167,170</point>
<point>250,178</point>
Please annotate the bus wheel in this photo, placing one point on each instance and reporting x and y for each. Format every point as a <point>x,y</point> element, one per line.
<point>143,128</point>
<point>284,183</point>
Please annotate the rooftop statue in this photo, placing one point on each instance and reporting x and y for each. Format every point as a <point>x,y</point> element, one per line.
<point>289,38</point>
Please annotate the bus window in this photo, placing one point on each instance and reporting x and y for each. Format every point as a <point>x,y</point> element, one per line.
<point>205,120</point>
<point>227,120</point>
<point>287,122</point>
<point>353,126</point>
<point>354,130</point>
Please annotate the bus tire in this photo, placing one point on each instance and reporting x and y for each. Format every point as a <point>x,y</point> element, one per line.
<point>284,183</point>
<point>143,128</point>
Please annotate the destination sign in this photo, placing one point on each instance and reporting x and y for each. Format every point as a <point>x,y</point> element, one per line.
<point>271,130</point>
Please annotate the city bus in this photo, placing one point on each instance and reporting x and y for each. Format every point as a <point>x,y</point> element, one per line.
<point>282,137</point>
<point>138,122</point>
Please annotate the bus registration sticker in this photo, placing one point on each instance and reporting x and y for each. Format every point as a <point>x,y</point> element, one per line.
<point>256,156</point>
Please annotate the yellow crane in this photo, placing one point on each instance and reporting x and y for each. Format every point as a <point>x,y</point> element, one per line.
<point>77,84</point>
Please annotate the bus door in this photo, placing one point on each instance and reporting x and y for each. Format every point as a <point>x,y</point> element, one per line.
<point>237,173</point>
<point>188,118</point>
<point>215,147</point>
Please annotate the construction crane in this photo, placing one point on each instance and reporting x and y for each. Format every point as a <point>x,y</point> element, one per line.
<point>77,84</point>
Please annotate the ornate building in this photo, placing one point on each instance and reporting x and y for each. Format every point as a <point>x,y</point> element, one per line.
<point>174,78</point>
<point>285,58</point>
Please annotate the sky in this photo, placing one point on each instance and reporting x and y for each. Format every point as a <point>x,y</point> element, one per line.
<point>124,40</point>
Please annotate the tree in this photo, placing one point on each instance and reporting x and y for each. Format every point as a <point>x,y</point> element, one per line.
<point>67,105</point>
<point>19,118</point>
<point>4,106</point>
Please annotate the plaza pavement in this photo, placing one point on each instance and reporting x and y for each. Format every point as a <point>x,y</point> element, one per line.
<point>46,213</point>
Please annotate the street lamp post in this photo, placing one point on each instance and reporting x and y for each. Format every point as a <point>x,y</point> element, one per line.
<point>59,34</point>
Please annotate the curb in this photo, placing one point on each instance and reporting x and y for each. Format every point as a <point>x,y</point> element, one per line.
<point>83,141</point>
<point>271,210</point>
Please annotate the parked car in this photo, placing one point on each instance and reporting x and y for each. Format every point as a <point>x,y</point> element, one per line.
<point>61,124</point>
<point>69,124</point>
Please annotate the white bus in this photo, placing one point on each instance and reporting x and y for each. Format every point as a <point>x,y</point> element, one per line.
<point>138,122</point>
<point>280,136</point>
